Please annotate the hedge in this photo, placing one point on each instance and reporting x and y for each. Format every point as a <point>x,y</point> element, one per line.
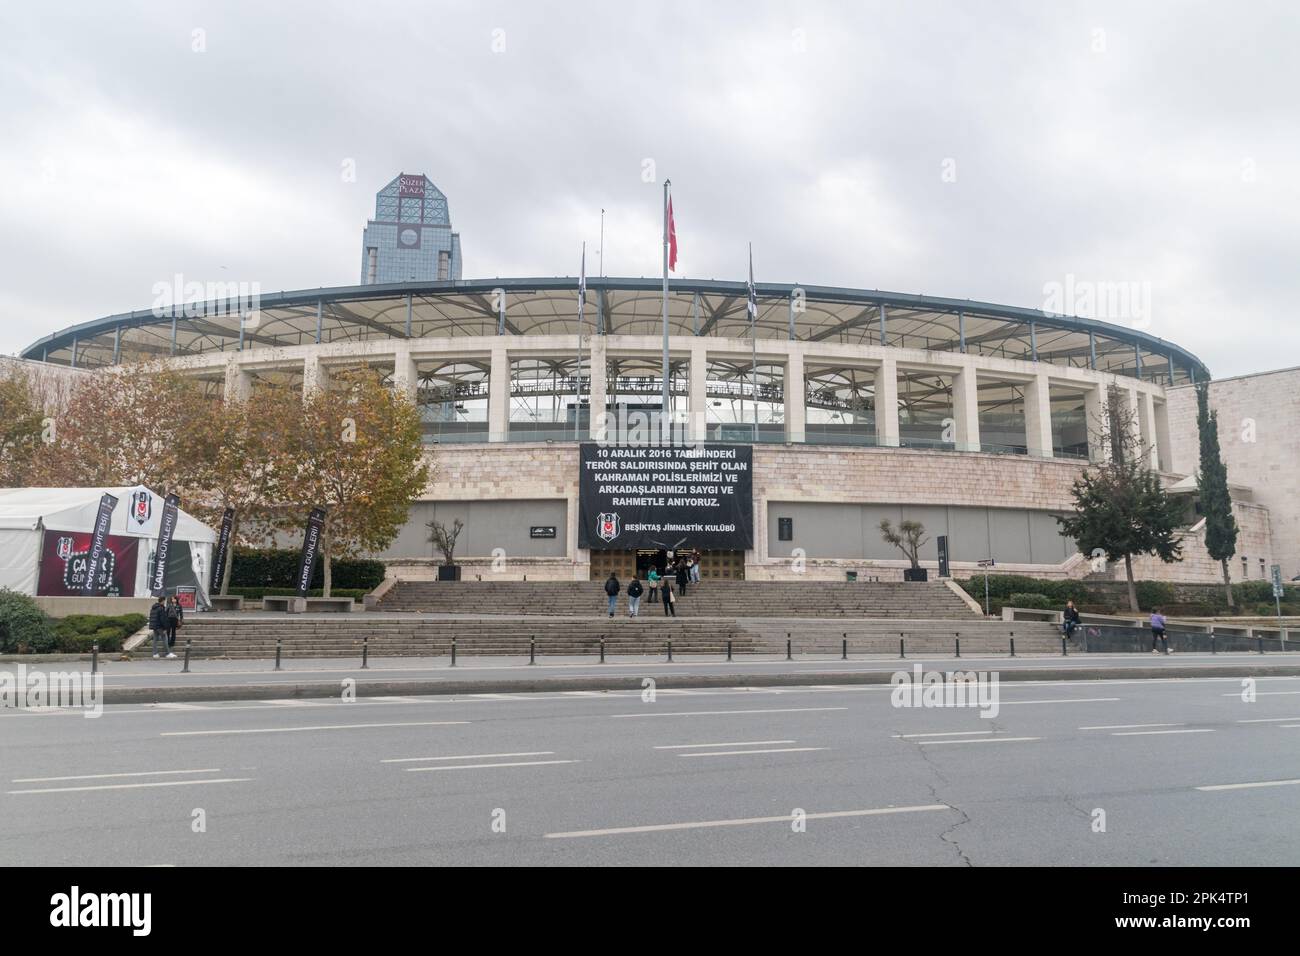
<point>1188,600</point>
<point>77,633</point>
<point>24,627</point>
<point>1037,601</point>
<point>277,568</point>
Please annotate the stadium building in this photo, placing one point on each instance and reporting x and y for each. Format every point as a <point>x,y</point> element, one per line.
<point>839,408</point>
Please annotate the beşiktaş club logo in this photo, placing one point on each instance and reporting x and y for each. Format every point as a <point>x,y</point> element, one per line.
<point>64,549</point>
<point>607,525</point>
<point>141,507</point>
<point>76,909</point>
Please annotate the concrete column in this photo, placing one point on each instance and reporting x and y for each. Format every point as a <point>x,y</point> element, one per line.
<point>794,397</point>
<point>887,403</point>
<point>1163,443</point>
<point>1147,422</point>
<point>1094,413</point>
<point>966,409</point>
<point>315,376</point>
<point>405,377</point>
<point>499,393</point>
<point>1133,402</point>
<point>699,398</point>
<point>1038,417</point>
<point>239,383</point>
<point>599,430</point>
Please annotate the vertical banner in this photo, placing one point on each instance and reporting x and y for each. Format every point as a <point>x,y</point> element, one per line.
<point>223,550</point>
<point>310,550</point>
<point>98,541</point>
<point>942,542</point>
<point>166,529</point>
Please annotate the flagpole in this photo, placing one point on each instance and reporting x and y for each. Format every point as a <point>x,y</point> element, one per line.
<point>582,321</point>
<point>602,243</point>
<point>664,423</point>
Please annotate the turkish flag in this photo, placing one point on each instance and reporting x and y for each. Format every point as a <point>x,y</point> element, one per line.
<point>672,237</point>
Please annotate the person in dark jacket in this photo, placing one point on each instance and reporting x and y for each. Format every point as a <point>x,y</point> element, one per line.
<point>175,618</point>
<point>612,588</point>
<point>670,602</point>
<point>158,626</point>
<point>683,576</point>
<point>634,591</point>
<point>1069,619</point>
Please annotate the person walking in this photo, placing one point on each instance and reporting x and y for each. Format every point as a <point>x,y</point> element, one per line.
<point>158,628</point>
<point>634,591</point>
<point>1158,632</point>
<point>175,618</point>
<point>683,576</point>
<point>653,580</point>
<point>670,602</point>
<point>612,588</point>
<point>1069,620</point>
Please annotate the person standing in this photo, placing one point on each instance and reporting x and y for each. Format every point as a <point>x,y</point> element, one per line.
<point>653,580</point>
<point>634,591</point>
<point>1158,632</point>
<point>158,628</point>
<point>670,602</point>
<point>683,576</point>
<point>175,618</point>
<point>612,588</point>
<point>695,567</point>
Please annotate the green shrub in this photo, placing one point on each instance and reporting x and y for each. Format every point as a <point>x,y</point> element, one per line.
<point>78,632</point>
<point>1259,592</point>
<point>1034,601</point>
<point>1154,594</point>
<point>24,627</point>
<point>278,567</point>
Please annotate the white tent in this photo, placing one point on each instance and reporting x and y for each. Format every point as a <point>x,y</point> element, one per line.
<point>31,519</point>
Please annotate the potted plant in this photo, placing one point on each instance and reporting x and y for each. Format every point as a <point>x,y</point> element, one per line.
<point>444,539</point>
<point>909,538</point>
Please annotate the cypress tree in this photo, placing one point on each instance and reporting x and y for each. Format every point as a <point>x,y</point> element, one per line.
<point>1212,483</point>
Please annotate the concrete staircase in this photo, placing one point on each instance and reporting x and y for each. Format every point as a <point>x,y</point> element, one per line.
<point>235,636</point>
<point>931,600</point>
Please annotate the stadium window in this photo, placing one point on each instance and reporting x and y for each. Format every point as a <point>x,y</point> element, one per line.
<point>444,266</point>
<point>785,529</point>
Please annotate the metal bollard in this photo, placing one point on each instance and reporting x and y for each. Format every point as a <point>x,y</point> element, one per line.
<point>1212,648</point>
<point>1260,640</point>
<point>94,658</point>
<point>728,648</point>
<point>532,649</point>
<point>277,653</point>
<point>900,646</point>
<point>1013,645</point>
<point>844,647</point>
<point>185,669</point>
<point>1064,652</point>
<point>365,652</point>
<point>453,650</point>
<point>788,657</point>
<point>670,649</point>
<point>956,640</point>
<point>602,648</point>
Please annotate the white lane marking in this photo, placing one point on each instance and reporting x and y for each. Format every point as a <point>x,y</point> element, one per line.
<point>1288,726</point>
<point>485,766</point>
<point>1063,700</point>
<point>725,743</point>
<point>1247,786</point>
<point>952,733</point>
<point>1267,720</point>
<point>291,702</point>
<point>293,730</point>
<point>712,713</point>
<point>178,706</point>
<point>982,740</point>
<point>587,693</point>
<point>522,753</point>
<point>137,786</point>
<point>1127,726</point>
<point>1149,733</point>
<point>744,821</point>
<point>1266,693</point>
<point>734,753</point>
<point>105,776</point>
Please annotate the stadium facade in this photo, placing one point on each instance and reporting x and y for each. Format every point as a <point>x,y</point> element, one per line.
<point>842,407</point>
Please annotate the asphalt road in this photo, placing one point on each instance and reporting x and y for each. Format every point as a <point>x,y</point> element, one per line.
<point>695,776</point>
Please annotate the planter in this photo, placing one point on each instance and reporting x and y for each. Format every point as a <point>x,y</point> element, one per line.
<point>916,574</point>
<point>449,572</point>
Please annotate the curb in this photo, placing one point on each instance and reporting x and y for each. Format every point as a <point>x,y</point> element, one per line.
<point>425,687</point>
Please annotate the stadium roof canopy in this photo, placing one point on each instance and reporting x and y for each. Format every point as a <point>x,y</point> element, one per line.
<point>616,306</point>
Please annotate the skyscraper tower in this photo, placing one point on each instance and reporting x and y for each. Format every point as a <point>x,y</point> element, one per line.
<point>410,238</point>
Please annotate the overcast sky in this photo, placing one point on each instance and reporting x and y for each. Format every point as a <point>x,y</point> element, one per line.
<point>965,149</point>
